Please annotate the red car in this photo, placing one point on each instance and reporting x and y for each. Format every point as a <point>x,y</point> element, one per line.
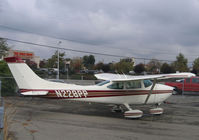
<point>188,84</point>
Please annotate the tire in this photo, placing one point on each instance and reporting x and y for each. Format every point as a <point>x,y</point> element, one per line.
<point>177,91</point>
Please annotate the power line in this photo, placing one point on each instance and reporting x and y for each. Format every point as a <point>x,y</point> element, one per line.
<point>51,36</point>
<point>81,41</point>
<point>54,47</point>
<point>80,51</point>
<point>66,39</point>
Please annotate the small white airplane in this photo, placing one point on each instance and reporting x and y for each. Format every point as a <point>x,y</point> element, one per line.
<point>116,89</point>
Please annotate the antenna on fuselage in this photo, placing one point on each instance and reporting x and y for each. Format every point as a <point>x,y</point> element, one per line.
<point>118,74</point>
<point>124,75</point>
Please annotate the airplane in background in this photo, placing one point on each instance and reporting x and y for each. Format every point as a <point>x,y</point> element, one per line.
<point>115,89</point>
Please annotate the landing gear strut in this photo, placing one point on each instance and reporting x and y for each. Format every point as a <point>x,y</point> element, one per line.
<point>132,113</point>
<point>117,108</point>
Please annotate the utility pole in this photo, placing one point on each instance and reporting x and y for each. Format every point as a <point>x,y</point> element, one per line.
<point>57,63</point>
<point>58,60</point>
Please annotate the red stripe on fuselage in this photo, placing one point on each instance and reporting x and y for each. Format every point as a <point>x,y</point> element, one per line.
<point>97,93</point>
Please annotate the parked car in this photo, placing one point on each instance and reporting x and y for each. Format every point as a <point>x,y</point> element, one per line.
<point>188,84</point>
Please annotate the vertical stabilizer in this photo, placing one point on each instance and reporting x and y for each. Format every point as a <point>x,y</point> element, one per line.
<point>24,76</point>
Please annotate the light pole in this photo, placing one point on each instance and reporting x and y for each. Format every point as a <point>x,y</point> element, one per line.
<point>58,60</point>
<point>0,89</point>
<point>67,64</point>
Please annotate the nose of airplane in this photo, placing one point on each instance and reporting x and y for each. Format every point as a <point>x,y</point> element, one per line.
<point>164,87</point>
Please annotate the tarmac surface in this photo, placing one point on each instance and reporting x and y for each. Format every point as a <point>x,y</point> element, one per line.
<point>43,119</point>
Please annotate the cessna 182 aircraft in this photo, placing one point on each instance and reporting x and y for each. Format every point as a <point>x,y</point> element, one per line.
<point>115,89</point>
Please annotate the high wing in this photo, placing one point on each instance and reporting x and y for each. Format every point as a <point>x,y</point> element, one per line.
<point>120,77</point>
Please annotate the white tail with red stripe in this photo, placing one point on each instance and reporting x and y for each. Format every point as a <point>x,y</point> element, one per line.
<point>24,76</point>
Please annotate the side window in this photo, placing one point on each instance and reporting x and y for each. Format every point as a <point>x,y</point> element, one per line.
<point>133,84</point>
<point>117,85</point>
<point>195,80</point>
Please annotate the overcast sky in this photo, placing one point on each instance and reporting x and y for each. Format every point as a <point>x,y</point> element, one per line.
<point>158,29</point>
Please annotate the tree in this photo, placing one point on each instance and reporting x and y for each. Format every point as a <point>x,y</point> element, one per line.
<point>154,66</point>
<point>166,68</point>
<point>106,67</point>
<point>124,66</point>
<point>53,61</point>
<point>99,66</point>
<point>76,65</point>
<point>181,63</point>
<point>102,66</point>
<point>196,66</point>
<point>139,68</point>
<point>8,84</point>
<point>43,63</point>
<point>31,64</point>
<point>3,47</point>
<point>89,61</point>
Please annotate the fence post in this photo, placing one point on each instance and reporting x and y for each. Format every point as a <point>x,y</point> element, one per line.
<point>1,116</point>
<point>0,89</point>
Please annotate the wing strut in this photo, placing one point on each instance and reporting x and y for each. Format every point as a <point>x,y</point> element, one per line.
<point>151,90</point>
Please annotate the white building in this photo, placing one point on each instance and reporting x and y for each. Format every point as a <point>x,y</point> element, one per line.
<point>24,55</point>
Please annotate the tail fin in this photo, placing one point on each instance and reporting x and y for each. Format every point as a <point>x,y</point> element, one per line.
<point>23,75</point>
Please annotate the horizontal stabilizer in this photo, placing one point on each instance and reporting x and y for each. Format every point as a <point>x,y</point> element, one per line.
<point>34,93</point>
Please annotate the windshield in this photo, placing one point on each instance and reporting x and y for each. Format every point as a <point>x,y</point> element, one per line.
<point>103,83</point>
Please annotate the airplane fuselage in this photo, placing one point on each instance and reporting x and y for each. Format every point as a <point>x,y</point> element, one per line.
<point>104,95</point>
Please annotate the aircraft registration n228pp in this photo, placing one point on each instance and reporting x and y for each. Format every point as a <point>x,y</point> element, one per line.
<point>115,89</point>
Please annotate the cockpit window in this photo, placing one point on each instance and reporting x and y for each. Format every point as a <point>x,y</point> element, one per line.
<point>103,83</point>
<point>133,84</point>
<point>117,85</point>
<point>147,83</point>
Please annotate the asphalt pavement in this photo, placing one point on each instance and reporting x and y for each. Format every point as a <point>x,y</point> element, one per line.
<point>43,119</point>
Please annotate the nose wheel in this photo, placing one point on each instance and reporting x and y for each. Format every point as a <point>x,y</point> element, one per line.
<point>156,111</point>
<point>132,113</point>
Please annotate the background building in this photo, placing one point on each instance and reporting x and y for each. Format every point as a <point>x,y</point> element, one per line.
<point>25,55</point>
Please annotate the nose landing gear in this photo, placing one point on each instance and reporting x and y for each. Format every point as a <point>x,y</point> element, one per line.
<point>132,113</point>
<point>156,111</point>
